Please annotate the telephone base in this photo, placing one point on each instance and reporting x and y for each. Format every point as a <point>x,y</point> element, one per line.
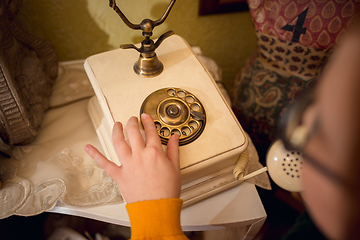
<point>121,93</point>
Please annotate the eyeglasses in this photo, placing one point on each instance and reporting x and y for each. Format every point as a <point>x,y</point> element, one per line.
<point>295,135</point>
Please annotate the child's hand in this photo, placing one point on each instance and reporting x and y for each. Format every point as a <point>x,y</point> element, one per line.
<point>146,172</point>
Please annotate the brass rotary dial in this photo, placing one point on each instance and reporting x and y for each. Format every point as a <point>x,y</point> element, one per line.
<point>175,111</point>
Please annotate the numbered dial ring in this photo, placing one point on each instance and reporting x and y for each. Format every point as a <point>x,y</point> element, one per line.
<point>175,111</point>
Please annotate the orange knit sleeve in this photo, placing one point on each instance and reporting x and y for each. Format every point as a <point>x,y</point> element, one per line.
<point>156,219</point>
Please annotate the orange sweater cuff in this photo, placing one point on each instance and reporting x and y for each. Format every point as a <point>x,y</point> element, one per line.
<point>155,218</point>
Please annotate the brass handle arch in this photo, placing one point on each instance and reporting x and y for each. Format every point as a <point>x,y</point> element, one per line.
<point>148,64</point>
<point>144,25</point>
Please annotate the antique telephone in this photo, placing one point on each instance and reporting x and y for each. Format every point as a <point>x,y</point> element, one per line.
<point>175,88</point>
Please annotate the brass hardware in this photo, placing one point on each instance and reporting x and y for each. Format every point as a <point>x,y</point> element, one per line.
<point>148,64</point>
<point>175,111</point>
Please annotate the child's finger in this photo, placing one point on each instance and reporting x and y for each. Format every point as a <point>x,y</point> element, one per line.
<point>109,167</point>
<point>122,149</point>
<point>173,150</point>
<point>152,137</point>
<point>136,140</point>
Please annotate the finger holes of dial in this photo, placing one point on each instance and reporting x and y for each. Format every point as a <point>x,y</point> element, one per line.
<point>195,107</point>
<point>193,125</point>
<point>189,99</point>
<point>185,131</point>
<point>175,131</point>
<point>157,125</point>
<point>171,92</point>
<point>165,132</point>
<point>181,94</point>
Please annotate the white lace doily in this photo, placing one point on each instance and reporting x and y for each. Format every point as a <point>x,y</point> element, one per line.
<point>55,166</point>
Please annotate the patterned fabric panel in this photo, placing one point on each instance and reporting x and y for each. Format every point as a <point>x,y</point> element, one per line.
<point>288,58</point>
<point>264,95</point>
<point>319,23</point>
<point>295,39</point>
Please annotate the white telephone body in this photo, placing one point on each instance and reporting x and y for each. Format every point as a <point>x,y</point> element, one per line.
<point>175,88</point>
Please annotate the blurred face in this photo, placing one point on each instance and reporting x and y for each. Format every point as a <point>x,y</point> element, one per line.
<point>337,108</point>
